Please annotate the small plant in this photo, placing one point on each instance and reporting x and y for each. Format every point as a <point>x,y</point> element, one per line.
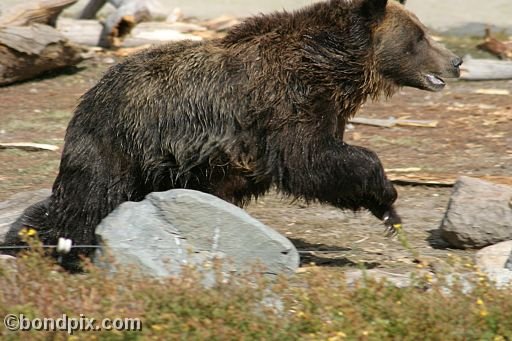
<point>315,305</point>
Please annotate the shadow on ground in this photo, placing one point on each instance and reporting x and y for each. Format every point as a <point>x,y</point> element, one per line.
<point>312,253</point>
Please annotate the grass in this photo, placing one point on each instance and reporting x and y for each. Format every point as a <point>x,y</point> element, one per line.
<point>315,305</point>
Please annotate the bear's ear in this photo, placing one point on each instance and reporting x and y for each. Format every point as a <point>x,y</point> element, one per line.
<point>373,9</point>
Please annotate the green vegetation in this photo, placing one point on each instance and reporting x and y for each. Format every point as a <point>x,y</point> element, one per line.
<point>315,305</point>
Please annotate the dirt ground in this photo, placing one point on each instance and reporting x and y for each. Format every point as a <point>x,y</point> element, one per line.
<point>473,137</point>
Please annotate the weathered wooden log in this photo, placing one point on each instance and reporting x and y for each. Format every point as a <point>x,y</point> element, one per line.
<point>501,49</point>
<point>34,12</point>
<point>222,23</point>
<point>120,23</point>
<point>93,6</point>
<point>160,32</point>
<point>86,32</point>
<point>83,32</point>
<point>28,146</point>
<point>28,51</point>
<point>485,69</point>
<point>90,10</point>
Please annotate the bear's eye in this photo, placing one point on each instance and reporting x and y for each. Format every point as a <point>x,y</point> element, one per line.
<point>411,47</point>
<point>420,37</point>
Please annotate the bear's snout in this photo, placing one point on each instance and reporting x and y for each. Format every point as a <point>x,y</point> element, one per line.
<point>457,62</point>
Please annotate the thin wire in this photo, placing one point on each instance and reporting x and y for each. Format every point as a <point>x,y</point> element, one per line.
<point>22,247</point>
<point>16,247</point>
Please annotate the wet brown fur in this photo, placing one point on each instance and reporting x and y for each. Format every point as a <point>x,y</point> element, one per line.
<point>265,106</point>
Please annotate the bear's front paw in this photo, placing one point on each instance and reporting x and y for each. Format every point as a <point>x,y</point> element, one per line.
<point>392,223</point>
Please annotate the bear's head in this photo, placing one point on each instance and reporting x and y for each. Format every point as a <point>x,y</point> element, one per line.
<point>405,54</point>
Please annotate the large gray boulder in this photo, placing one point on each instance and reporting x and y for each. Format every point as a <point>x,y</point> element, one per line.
<point>479,214</point>
<point>182,227</point>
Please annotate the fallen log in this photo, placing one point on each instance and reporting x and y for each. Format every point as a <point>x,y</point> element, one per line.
<point>28,51</point>
<point>34,12</point>
<point>119,24</point>
<point>29,146</point>
<point>485,69</point>
<point>417,178</point>
<point>501,49</point>
<point>93,6</point>
<point>222,23</point>
<point>90,10</point>
<point>83,32</point>
<point>391,122</point>
<point>86,32</point>
<point>157,33</point>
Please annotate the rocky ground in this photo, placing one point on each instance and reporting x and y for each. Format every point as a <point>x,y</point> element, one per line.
<point>472,137</point>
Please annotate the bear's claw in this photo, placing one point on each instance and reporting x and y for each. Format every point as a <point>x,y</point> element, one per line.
<point>392,223</point>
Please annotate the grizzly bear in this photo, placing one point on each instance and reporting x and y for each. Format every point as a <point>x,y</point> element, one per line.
<point>265,106</point>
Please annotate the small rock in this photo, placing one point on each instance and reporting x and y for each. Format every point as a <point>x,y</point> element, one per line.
<point>493,261</point>
<point>478,214</point>
<point>508,264</point>
<point>464,280</point>
<point>182,227</point>
<point>399,280</point>
<point>12,208</point>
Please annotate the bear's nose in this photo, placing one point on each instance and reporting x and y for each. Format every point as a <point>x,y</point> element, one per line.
<point>456,62</point>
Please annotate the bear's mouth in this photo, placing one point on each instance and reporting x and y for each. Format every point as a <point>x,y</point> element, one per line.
<point>434,83</point>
